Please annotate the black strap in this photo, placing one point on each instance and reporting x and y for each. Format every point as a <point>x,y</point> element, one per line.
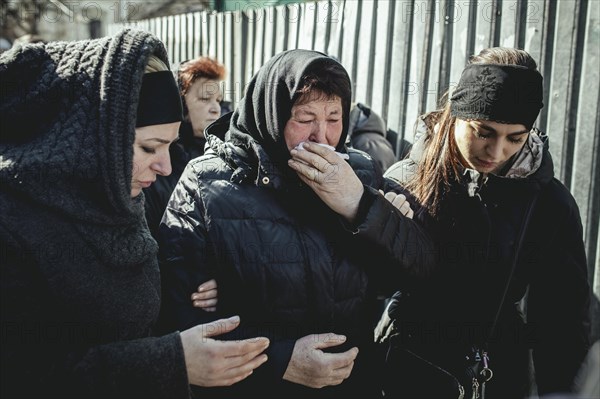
<point>514,264</point>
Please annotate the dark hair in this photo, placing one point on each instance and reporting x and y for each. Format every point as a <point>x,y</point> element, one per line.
<point>442,159</point>
<point>326,82</point>
<point>202,67</point>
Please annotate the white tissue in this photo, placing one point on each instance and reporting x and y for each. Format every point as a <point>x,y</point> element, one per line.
<point>343,156</point>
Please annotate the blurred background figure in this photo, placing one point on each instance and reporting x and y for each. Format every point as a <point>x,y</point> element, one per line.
<point>367,132</point>
<point>29,39</point>
<point>4,45</point>
<point>200,83</point>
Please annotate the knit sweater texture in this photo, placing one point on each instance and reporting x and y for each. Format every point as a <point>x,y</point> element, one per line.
<point>80,285</point>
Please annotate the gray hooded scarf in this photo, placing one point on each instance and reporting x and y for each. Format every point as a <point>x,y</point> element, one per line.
<point>80,283</point>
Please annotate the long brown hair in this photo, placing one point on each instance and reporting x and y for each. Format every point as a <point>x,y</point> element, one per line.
<point>441,160</point>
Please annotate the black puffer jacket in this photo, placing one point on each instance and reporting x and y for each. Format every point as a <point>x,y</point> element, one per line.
<point>157,195</point>
<point>283,260</point>
<point>476,233</point>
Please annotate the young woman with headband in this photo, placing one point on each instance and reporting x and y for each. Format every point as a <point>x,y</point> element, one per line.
<point>482,180</point>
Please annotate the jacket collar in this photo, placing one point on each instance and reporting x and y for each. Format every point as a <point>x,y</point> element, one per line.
<point>251,164</point>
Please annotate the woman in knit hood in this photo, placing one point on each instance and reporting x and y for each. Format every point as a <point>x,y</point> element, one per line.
<point>297,268</point>
<point>84,130</point>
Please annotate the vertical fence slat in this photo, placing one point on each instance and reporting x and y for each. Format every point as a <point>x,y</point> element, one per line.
<point>250,29</point>
<point>436,29</point>
<point>587,144</point>
<point>293,18</point>
<point>192,40</point>
<point>484,30</point>
<point>365,47</point>
<point>229,41</point>
<point>560,82</point>
<point>535,29</point>
<point>447,38</point>
<point>238,72</point>
<point>282,25</point>
<point>321,26</point>
<point>259,38</point>
<point>508,27</point>
<point>220,24</point>
<point>596,279</point>
<point>334,19</point>
<point>420,15</point>
<point>269,38</point>
<point>380,74</point>
<point>545,63</point>
<point>460,31</point>
<point>212,38</point>
<point>179,39</point>
<point>204,48</point>
<point>152,26</point>
<point>170,39</point>
<point>400,68</point>
<point>307,25</point>
<point>350,28</point>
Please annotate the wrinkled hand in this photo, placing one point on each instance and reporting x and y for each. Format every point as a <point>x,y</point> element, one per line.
<point>212,363</point>
<point>400,202</point>
<point>312,367</point>
<point>331,178</point>
<point>206,296</point>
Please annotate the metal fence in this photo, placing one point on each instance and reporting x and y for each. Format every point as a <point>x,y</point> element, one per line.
<point>402,55</point>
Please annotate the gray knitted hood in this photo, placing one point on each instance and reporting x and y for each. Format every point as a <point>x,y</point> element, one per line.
<point>67,118</point>
<point>68,122</point>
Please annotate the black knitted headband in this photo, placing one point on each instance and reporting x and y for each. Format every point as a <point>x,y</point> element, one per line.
<point>500,93</point>
<point>160,101</point>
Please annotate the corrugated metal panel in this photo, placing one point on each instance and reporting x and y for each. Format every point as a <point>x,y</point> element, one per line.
<point>335,21</point>
<point>400,65</point>
<point>350,37</point>
<point>269,38</point>
<point>250,34</point>
<point>281,27</point>
<point>365,48</point>
<point>293,16</point>
<point>402,55</point>
<point>259,25</point>
<point>383,35</point>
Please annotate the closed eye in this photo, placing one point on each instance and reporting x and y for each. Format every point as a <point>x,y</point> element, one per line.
<point>148,150</point>
<point>516,140</point>
<point>482,135</point>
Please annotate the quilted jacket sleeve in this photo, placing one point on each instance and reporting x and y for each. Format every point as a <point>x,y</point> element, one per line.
<point>405,251</point>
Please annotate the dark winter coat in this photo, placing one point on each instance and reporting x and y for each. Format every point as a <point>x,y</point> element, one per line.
<point>181,152</point>
<point>476,234</point>
<point>283,260</point>
<point>368,133</point>
<point>79,279</point>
